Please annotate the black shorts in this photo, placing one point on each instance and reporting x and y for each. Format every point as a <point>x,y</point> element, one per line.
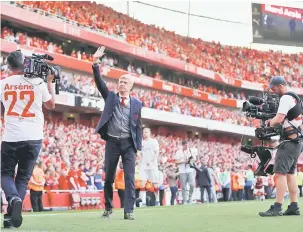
<point>287,157</point>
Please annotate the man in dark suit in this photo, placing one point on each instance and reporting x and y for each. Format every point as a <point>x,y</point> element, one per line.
<point>120,126</point>
<point>204,181</point>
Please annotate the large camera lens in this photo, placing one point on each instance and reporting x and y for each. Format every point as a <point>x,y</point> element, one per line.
<point>246,106</point>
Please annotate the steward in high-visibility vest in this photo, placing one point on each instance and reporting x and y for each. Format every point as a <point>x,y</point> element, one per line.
<point>119,180</point>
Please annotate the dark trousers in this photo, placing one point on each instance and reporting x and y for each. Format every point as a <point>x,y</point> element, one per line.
<point>208,190</point>
<point>138,200</point>
<point>225,192</point>
<point>234,195</point>
<point>173,191</point>
<point>25,154</point>
<point>300,189</point>
<point>36,200</point>
<point>240,195</point>
<point>113,149</point>
<point>248,193</point>
<point>161,193</point>
<point>150,198</point>
<point>121,196</point>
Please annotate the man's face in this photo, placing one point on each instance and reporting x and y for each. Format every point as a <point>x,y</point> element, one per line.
<point>124,85</point>
<point>146,133</point>
<point>278,89</point>
<point>185,147</point>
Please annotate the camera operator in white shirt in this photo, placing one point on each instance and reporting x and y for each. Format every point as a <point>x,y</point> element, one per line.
<point>289,115</point>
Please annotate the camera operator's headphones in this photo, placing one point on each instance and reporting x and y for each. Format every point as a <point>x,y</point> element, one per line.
<point>15,60</point>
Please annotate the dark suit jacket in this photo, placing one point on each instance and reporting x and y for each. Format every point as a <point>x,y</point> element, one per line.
<point>203,177</point>
<point>111,100</point>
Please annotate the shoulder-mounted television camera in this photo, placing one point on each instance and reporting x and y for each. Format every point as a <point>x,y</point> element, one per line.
<point>36,66</point>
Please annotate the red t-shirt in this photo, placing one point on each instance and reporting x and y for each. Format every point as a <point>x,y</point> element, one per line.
<point>63,183</point>
<point>74,174</point>
<point>82,183</point>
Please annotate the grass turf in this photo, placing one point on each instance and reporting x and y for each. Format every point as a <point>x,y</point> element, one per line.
<point>227,217</point>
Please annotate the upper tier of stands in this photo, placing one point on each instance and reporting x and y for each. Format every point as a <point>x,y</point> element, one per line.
<point>236,62</point>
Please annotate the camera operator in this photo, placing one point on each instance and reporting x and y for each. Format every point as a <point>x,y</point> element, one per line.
<point>289,115</point>
<point>22,98</point>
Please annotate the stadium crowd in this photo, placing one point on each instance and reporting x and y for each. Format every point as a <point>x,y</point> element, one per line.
<point>84,85</point>
<point>67,144</point>
<point>32,41</point>
<point>74,151</point>
<point>233,62</point>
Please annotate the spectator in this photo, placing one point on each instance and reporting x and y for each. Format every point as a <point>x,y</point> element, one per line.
<point>73,178</point>
<point>98,180</point>
<point>172,177</point>
<point>36,186</point>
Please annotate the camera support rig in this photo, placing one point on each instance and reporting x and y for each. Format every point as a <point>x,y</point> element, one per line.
<point>264,153</point>
<point>267,111</point>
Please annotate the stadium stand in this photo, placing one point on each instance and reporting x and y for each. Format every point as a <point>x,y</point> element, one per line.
<point>68,144</point>
<point>236,62</point>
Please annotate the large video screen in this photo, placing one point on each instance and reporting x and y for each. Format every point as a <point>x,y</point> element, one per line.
<point>277,25</point>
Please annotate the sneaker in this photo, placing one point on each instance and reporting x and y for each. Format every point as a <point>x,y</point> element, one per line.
<point>129,216</point>
<point>16,209</point>
<point>272,212</point>
<point>7,222</point>
<point>106,213</point>
<point>190,201</point>
<point>292,211</point>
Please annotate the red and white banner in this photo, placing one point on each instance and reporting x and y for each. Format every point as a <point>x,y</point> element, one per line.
<point>114,73</point>
<point>283,11</point>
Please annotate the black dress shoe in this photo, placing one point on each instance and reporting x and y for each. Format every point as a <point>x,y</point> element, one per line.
<point>292,211</point>
<point>106,213</point>
<point>16,209</point>
<point>7,222</point>
<point>129,216</point>
<point>272,212</point>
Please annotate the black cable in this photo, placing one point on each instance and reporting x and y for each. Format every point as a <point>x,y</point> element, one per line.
<point>181,12</point>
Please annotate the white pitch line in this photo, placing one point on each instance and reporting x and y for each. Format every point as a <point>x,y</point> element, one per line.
<point>139,209</point>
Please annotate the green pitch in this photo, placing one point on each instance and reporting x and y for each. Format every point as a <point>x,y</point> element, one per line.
<point>222,217</point>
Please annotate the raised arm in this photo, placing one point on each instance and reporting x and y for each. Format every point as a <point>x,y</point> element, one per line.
<point>100,83</point>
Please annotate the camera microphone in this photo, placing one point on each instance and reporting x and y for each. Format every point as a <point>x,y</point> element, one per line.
<point>256,100</point>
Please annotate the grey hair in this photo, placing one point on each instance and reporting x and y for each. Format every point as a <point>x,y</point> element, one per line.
<point>129,77</point>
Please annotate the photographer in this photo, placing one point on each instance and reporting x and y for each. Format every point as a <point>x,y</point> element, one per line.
<point>187,175</point>
<point>22,98</point>
<point>289,115</point>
